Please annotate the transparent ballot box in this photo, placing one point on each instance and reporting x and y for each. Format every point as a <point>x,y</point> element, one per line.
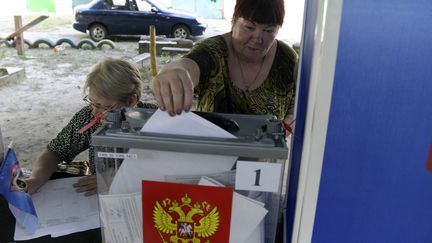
<point>197,177</point>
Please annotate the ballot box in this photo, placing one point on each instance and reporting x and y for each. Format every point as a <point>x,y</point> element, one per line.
<point>196,177</point>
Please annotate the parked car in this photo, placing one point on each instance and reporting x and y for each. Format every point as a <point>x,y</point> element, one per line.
<point>103,18</point>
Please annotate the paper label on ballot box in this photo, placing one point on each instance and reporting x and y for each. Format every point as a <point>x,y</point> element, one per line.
<point>185,213</point>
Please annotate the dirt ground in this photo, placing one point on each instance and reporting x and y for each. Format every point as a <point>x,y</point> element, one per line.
<point>33,110</point>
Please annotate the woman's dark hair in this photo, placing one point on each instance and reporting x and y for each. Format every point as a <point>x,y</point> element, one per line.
<point>260,11</point>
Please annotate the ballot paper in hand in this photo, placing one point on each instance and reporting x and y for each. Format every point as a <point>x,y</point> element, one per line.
<point>247,216</point>
<point>155,165</point>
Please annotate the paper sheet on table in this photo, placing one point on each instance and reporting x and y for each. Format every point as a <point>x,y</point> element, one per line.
<point>154,164</point>
<point>61,210</point>
<point>247,224</point>
<point>121,217</point>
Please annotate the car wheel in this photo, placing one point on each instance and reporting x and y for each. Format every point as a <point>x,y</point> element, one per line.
<point>181,32</point>
<point>98,32</point>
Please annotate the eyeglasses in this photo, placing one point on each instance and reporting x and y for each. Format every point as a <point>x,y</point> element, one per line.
<point>96,105</point>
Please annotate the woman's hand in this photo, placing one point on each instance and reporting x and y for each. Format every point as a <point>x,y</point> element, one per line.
<point>86,184</point>
<point>289,124</point>
<point>33,185</point>
<point>173,86</point>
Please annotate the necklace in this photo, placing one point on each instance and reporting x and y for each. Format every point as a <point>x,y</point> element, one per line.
<point>247,85</point>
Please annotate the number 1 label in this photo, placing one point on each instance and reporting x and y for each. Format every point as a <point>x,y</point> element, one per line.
<point>257,176</point>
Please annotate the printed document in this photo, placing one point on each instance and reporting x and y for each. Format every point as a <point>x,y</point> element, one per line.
<point>61,210</point>
<point>247,216</point>
<point>121,217</point>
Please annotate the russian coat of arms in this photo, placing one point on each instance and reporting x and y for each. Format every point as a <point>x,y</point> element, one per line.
<point>184,221</point>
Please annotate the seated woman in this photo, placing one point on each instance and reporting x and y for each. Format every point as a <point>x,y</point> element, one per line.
<point>112,83</point>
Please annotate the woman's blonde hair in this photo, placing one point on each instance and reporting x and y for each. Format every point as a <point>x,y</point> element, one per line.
<point>115,79</point>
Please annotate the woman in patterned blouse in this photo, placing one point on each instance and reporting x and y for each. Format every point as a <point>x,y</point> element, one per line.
<point>243,71</point>
<point>112,83</point>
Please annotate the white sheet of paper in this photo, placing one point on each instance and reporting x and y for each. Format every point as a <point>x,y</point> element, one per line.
<point>121,217</point>
<point>188,123</point>
<point>246,215</point>
<point>227,178</point>
<point>258,234</point>
<point>61,210</point>
<point>155,164</point>
<point>258,176</point>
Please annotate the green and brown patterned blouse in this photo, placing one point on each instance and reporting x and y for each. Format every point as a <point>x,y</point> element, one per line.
<point>216,93</point>
<point>69,142</point>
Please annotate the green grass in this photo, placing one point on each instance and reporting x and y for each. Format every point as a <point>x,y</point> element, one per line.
<point>2,53</point>
<point>7,23</point>
<point>50,22</point>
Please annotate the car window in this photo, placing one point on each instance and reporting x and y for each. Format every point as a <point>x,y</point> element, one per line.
<point>120,5</point>
<point>158,5</point>
<point>143,5</point>
<point>107,4</point>
<point>119,2</point>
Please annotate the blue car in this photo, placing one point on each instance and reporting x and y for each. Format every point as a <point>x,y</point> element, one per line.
<point>104,18</point>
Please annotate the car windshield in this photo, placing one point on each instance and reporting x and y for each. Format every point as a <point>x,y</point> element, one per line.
<point>95,2</point>
<point>157,4</point>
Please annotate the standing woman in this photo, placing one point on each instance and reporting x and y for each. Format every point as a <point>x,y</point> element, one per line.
<point>243,71</point>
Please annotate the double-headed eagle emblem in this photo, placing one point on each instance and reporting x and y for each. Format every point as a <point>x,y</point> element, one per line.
<point>179,220</point>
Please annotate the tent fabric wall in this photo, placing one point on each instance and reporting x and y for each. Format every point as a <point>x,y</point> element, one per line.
<point>305,69</point>
<point>374,183</point>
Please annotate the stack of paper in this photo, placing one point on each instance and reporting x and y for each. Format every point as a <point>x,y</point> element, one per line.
<point>121,217</point>
<point>61,210</point>
<point>247,216</point>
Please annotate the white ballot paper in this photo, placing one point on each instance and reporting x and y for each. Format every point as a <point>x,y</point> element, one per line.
<point>61,210</point>
<point>227,178</point>
<point>155,165</point>
<point>247,216</point>
<point>121,217</point>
